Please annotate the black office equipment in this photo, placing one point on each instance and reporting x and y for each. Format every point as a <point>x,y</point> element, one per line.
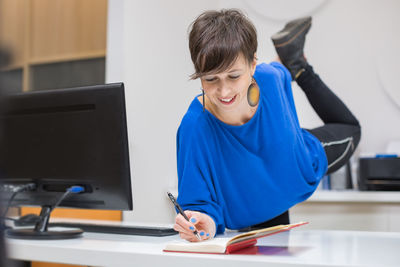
<point>379,173</point>
<point>114,229</point>
<point>62,138</point>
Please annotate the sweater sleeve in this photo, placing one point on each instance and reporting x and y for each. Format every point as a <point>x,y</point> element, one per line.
<point>196,189</point>
<point>286,80</point>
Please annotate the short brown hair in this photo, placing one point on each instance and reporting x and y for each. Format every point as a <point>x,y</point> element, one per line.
<point>218,37</point>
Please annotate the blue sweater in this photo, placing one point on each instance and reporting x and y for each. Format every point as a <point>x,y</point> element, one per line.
<point>248,174</point>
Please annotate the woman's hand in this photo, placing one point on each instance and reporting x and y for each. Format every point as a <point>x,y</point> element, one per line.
<point>199,221</point>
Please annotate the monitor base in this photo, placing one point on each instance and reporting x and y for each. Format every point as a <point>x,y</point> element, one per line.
<point>47,235</point>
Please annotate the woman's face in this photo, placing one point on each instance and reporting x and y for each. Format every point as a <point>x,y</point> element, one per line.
<point>228,90</point>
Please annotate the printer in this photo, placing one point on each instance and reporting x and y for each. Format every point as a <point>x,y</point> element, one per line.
<point>379,173</point>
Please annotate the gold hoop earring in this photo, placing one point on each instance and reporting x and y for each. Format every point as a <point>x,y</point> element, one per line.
<point>253,94</point>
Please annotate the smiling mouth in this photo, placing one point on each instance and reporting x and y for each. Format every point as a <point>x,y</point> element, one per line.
<point>227,101</point>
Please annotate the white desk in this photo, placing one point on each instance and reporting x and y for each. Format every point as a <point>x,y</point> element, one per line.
<point>300,248</point>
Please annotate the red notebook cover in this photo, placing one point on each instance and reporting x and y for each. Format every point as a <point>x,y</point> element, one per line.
<point>233,248</point>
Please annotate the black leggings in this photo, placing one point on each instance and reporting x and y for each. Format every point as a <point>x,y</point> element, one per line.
<point>341,131</point>
<point>339,135</point>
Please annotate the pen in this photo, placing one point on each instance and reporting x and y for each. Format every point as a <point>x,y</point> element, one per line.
<point>171,197</point>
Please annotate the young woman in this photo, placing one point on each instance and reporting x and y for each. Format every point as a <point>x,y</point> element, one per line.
<point>243,159</point>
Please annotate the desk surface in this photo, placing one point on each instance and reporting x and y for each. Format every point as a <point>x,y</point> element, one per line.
<point>294,248</point>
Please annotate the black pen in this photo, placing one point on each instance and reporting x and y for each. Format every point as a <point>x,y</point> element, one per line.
<point>171,197</point>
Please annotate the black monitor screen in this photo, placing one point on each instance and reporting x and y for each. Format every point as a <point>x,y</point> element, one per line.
<point>65,137</point>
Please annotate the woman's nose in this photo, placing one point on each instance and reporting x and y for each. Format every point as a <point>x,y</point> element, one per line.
<point>224,90</point>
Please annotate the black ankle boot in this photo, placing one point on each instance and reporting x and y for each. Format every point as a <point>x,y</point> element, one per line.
<point>289,44</point>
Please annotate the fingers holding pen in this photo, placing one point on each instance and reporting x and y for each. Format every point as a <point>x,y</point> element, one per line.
<point>184,224</point>
<point>203,235</point>
<point>196,218</point>
<point>187,220</point>
<point>189,237</point>
<point>187,229</point>
<point>199,227</point>
<point>203,222</point>
<point>183,229</point>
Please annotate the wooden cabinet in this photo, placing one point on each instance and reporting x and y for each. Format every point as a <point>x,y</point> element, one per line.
<point>64,38</point>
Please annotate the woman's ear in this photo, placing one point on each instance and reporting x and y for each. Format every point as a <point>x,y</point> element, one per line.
<point>254,64</point>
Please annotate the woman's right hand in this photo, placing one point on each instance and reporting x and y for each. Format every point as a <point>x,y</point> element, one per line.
<point>199,221</point>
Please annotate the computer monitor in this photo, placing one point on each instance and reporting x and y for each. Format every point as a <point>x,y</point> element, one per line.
<point>65,137</point>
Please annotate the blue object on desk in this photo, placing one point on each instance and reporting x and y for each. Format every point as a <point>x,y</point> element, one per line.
<point>386,156</point>
<point>326,182</point>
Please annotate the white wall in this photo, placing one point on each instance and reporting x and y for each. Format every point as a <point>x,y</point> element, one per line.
<point>155,69</point>
<point>147,49</point>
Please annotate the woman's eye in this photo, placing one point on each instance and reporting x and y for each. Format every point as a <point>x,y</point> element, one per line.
<point>234,77</point>
<point>210,79</point>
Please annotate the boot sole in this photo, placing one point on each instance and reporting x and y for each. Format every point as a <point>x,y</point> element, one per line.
<point>291,31</point>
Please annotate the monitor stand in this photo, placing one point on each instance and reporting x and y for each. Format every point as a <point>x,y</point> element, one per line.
<point>40,232</point>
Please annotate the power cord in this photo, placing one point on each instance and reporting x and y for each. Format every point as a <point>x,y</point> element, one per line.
<point>41,226</point>
<point>76,189</point>
<point>16,189</point>
<point>30,187</point>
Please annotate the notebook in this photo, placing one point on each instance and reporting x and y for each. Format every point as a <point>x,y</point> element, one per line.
<point>226,245</point>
